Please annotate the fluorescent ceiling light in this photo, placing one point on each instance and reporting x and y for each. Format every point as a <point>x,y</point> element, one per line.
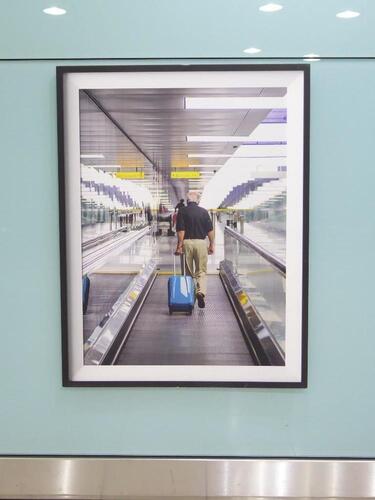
<point>347,14</point>
<point>234,158</point>
<point>252,50</point>
<point>271,7</point>
<point>104,167</point>
<point>98,155</point>
<point>54,11</point>
<point>217,138</point>
<point>206,166</point>
<point>208,155</point>
<point>236,138</point>
<point>234,102</point>
<point>311,57</point>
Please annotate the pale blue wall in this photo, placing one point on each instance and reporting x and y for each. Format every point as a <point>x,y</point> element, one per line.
<point>178,28</point>
<point>333,417</point>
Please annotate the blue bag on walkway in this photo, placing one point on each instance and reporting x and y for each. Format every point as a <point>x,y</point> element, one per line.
<point>181,291</point>
<point>85,292</point>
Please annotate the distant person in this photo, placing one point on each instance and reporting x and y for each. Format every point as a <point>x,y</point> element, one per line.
<point>235,219</point>
<point>148,214</point>
<point>180,204</point>
<point>193,225</point>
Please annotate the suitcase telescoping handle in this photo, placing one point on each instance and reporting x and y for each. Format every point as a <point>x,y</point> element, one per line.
<point>174,264</point>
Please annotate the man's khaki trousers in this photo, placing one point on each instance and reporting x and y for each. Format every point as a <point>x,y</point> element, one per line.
<point>196,255</point>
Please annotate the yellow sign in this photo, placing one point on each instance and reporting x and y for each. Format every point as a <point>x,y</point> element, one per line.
<point>185,174</point>
<point>133,294</point>
<point>130,175</point>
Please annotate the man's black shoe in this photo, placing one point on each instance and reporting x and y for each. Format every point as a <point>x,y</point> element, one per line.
<point>200,299</point>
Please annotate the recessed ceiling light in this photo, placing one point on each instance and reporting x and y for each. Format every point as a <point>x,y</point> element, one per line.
<point>311,57</point>
<point>347,14</point>
<point>271,7</point>
<point>54,11</point>
<point>252,50</point>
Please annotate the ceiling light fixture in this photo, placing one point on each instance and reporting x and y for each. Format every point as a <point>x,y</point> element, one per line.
<point>271,7</point>
<point>228,156</point>
<point>252,50</point>
<point>348,14</point>
<point>235,103</point>
<point>106,167</point>
<point>208,155</point>
<point>206,166</point>
<point>228,138</point>
<point>54,11</point>
<point>216,138</point>
<point>98,155</point>
<point>311,57</point>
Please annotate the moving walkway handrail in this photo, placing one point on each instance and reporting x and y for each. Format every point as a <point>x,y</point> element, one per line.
<point>102,237</point>
<point>95,256</point>
<point>106,236</point>
<point>268,256</point>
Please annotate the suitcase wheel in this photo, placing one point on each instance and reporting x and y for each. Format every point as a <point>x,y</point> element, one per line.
<point>170,311</point>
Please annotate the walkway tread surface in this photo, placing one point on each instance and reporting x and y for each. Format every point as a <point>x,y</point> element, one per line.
<point>211,336</point>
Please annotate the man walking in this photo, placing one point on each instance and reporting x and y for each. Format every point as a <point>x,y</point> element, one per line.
<point>193,226</point>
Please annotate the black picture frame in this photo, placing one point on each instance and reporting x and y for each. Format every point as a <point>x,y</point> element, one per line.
<point>61,73</point>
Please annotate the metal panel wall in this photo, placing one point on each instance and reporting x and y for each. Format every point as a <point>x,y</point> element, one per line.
<point>126,478</point>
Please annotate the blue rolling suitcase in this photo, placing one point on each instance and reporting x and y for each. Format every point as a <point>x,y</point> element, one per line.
<point>85,292</point>
<point>181,291</point>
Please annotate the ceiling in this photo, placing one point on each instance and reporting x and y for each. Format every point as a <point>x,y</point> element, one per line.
<point>147,129</point>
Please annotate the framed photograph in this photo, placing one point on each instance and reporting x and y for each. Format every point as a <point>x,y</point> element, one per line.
<point>184,224</point>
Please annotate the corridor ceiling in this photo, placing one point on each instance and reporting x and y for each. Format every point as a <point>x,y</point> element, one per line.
<point>147,129</point>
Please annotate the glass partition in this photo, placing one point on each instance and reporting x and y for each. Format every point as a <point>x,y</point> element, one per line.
<point>263,282</point>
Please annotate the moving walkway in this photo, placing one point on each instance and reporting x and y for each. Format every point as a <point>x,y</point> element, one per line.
<point>233,329</point>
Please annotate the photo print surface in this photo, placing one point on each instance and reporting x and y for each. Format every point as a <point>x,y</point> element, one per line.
<point>184,203</point>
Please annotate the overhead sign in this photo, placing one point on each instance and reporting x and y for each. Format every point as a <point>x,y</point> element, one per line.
<point>185,174</point>
<point>130,175</point>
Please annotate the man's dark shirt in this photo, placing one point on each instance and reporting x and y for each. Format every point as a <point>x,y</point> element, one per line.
<point>195,221</point>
